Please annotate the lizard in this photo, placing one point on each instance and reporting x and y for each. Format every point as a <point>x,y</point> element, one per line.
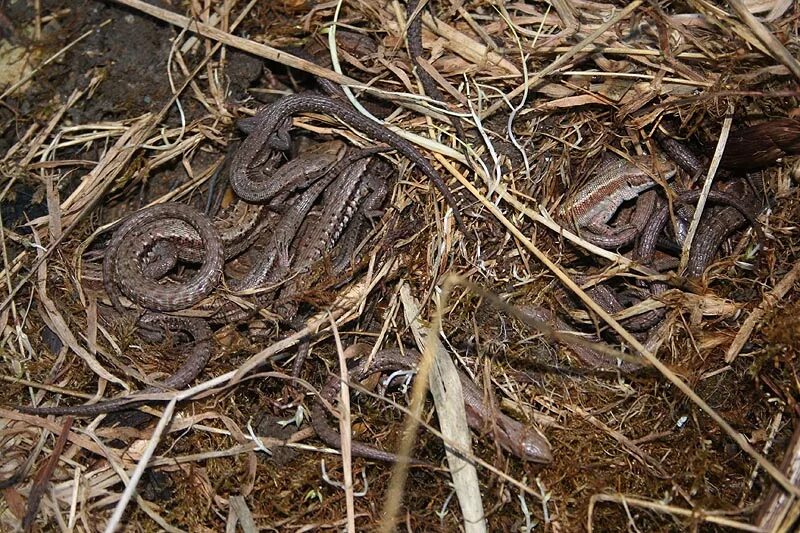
<point>357,193</point>
<point>193,238</point>
<point>616,180</point>
<point>523,441</point>
<point>269,131</point>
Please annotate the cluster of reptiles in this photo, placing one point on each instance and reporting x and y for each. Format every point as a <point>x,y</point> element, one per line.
<point>335,180</point>
<point>270,132</point>
<point>150,243</point>
<point>616,181</point>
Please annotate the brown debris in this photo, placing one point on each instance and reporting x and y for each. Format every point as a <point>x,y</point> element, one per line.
<point>697,429</point>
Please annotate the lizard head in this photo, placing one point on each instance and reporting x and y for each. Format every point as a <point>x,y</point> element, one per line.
<point>663,166</point>
<point>524,441</point>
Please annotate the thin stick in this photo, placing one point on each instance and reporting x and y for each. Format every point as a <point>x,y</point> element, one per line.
<point>418,392</point>
<point>448,399</point>
<point>670,509</point>
<point>712,171</point>
<point>130,490</point>
<point>42,478</point>
<point>345,429</point>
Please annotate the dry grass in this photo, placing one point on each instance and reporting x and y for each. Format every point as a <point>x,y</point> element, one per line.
<point>703,440</point>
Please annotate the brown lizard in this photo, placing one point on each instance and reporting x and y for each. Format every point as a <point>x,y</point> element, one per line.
<point>526,442</point>
<point>616,180</point>
<point>269,131</point>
